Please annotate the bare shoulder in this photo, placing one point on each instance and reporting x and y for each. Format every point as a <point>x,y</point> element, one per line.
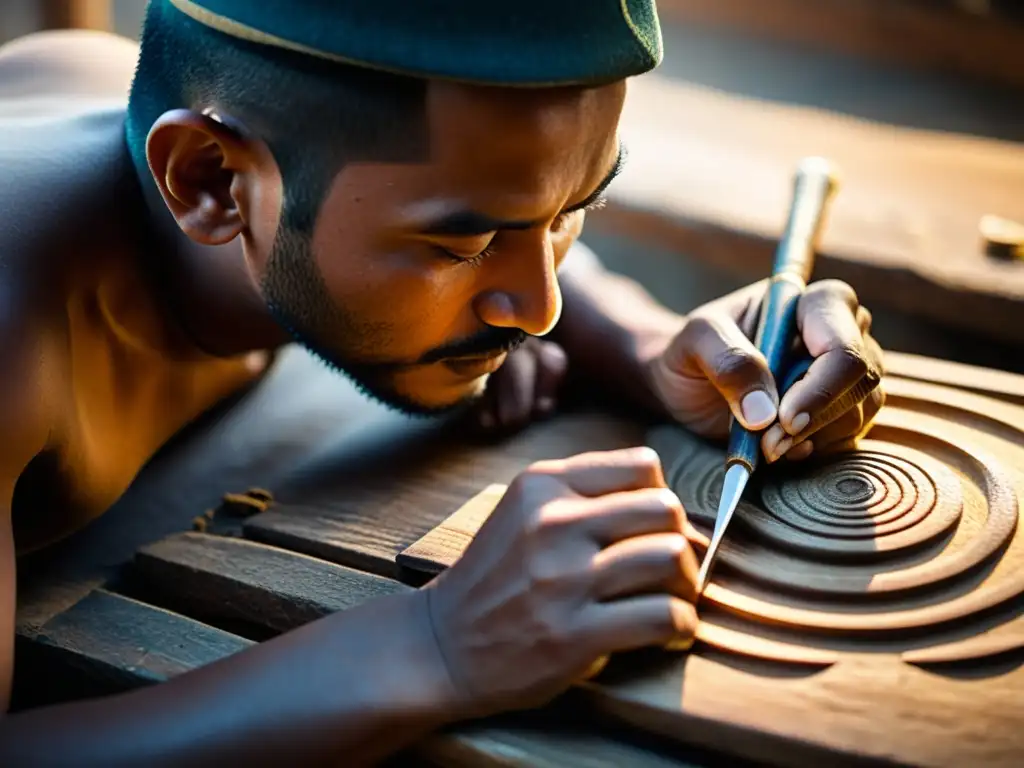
<point>56,72</point>
<point>62,97</point>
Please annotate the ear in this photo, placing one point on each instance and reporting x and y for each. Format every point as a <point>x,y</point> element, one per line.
<point>205,170</point>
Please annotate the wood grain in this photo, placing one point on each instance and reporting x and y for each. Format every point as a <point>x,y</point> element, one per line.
<point>112,644</point>
<point>231,579</point>
<point>983,381</point>
<point>442,545</point>
<point>925,35</point>
<point>710,176</point>
<point>370,506</point>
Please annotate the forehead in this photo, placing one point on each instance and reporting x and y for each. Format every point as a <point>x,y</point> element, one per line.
<point>509,130</point>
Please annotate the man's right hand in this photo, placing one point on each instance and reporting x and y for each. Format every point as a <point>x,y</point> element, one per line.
<point>581,558</point>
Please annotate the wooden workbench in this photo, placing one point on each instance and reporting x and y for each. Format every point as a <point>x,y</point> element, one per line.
<point>709,176</point>
<point>139,597</point>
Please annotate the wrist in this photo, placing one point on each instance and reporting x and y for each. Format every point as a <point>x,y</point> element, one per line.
<point>409,687</point>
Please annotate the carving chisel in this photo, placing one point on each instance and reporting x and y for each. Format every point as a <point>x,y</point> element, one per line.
<point>814,187</point>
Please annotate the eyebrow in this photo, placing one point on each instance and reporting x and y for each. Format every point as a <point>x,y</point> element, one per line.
<point>472,223</point>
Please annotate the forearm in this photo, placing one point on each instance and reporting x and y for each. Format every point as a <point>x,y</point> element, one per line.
<point>611,328</point>
<point>348,689</point>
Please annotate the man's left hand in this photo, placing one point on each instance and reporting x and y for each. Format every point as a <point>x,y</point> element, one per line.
<point>525,388</point>
<point>712,371</point>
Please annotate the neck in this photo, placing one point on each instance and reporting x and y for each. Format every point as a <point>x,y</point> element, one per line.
<point>207,291</point>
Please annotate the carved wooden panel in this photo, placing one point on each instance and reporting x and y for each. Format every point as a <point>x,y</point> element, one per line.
<point>908,545</point>
<point>867,604</point>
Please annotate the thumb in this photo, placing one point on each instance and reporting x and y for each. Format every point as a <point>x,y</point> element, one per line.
<point>715,347</point>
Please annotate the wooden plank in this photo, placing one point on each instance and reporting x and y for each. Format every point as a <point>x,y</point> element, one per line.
<point>926,35</point>
<point>367,509</point>
<point>78,14</point>
<point>109,643</point>
<point>972,378</point>
<point>228,579</point>
<point>440,546</point>
<point>803,653</point>
<point>710,176</point>
<point>231,580</point>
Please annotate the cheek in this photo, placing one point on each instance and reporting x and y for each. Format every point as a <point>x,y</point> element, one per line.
<point>410,301</point>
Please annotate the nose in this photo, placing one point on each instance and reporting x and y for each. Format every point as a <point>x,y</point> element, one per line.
<point>524,290</point>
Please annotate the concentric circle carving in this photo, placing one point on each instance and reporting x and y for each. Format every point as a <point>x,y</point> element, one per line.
<point>907,544</point>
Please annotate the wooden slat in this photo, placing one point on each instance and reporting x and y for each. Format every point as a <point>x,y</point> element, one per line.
<point>927,35</point>
<point>231,579</point>
<point>234,580</point>
<point>983,381</point>
<point>116,644</point>
<point>710,176</point>
<point>443,544</point>
<point>363,514</point>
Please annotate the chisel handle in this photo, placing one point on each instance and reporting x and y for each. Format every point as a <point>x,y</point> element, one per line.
<point>814,187</point>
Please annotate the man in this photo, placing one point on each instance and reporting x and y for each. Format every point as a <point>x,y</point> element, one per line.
<point>399,187</point>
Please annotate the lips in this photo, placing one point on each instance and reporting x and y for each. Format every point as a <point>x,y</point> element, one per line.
<point>475,367</point>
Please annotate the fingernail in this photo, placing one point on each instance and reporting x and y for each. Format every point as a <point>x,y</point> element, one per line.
<point>771,439</point>
<point>679,644</point>
<point>800,422</point>
<point>545,405</point>
<point>781,449</point>
<point>801,451</point>
<point>758,409</point>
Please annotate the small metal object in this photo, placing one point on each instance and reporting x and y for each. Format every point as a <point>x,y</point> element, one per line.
<point>814,188</point>
<point>1004,239</point>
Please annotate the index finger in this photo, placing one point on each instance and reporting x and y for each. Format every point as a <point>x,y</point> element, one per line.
<point>599,473</point>
<point>827,317</point>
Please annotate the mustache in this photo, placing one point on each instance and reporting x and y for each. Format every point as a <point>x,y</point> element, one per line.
<point>490,341</point>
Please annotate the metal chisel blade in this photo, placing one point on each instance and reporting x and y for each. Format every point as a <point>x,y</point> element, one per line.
<point>736,477</point>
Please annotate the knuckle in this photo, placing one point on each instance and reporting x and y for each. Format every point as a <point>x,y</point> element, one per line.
<point>683,617</point>
<point>534,488</point>
<point>852,361</point>
<point>665,501</point>
<point>645,458</point>
<point>864,319</point>
<point>697,326</point>
<point>733,363</point>
<point>553,357</point>
<point>836,290</point>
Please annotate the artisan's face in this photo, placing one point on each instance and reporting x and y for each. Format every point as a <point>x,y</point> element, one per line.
<point>419,277</point>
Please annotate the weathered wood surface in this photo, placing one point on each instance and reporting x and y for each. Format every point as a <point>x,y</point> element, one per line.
<point>928,35</point>
<point>710,176</point>
<point>113,644</point>
<point>983,381</point>
<point>194,571</point>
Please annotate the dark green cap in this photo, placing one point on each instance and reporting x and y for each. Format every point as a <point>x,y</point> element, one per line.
<point>525,43</point>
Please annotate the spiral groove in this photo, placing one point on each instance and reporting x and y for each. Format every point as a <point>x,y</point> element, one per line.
<point>907,544</point>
